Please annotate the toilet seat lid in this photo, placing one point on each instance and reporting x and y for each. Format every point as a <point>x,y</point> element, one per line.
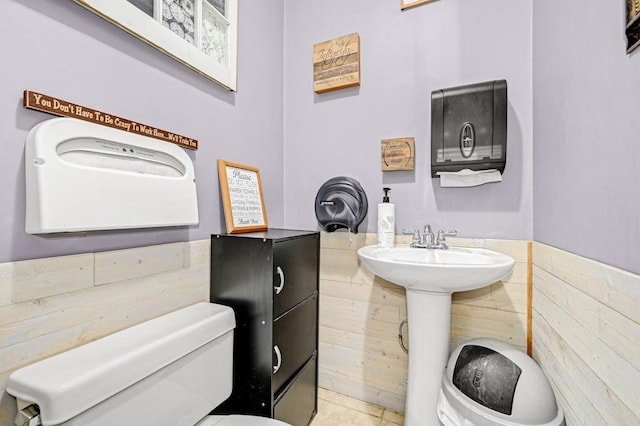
<point>240,420</point>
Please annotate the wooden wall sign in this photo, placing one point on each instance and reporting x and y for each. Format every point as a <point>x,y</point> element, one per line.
<point>398,154</point>
<point>633,25</point>
<point>336,63</point>
<point>242,199</point>
<point>39,102</point>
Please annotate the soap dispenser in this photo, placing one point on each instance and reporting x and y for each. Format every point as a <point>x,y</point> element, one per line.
<point>386,221</point>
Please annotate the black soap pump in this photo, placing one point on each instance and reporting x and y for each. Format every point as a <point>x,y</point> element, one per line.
<point>386,221</point>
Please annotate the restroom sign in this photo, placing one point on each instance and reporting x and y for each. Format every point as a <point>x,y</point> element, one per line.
<point>40,102</point>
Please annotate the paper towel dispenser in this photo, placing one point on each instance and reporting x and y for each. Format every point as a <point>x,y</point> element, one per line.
<point>469,127</point>
<point>81,176</point>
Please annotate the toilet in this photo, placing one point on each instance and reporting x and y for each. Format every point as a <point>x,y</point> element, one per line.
<point>172,370</point>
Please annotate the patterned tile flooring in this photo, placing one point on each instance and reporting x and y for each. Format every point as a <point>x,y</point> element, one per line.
<point>335,409</point>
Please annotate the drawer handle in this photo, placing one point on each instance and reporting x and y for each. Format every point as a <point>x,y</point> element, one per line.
<point>276,367</point>
<point>279,287</point>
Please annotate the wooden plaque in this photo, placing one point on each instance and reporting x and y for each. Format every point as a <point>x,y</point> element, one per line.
<point>45,103</point>
<point>633,25</point>
<point>398,154</point>
<point>336,63</point>
<point>242,199</point>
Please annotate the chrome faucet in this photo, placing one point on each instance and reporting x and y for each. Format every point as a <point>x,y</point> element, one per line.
<point>441,241</point>
<point>427,239</point>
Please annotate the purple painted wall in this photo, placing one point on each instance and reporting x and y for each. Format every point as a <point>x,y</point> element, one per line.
<point>63,50</point>
<point>404,56</point>
<point>586,113</point>
<point>60,49</point>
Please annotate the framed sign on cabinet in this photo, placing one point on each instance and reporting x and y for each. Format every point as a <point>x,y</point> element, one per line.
<point>201,34</point>
<point>242,199</point>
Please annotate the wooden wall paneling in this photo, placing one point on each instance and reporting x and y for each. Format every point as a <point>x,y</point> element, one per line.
<point>583,390</point>
<point>618,289</point>
<point>358,390</point>
<point>32,279</point>
<point>586,313</point>
<point>121,265</point>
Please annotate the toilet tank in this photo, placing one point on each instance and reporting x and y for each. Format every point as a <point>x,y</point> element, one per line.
<point>171,370</point>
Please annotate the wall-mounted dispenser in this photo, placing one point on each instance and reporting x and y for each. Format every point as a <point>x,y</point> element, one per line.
<point>82,176</point>
<point>341,203</point>
<point>469,128</point>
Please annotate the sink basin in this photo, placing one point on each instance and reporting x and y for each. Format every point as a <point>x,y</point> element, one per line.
<point>440,271</point>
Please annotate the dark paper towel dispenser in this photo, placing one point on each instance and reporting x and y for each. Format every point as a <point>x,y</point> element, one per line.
<point>469,127</point>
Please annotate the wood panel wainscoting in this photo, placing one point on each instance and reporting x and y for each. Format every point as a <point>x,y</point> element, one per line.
<point>586,325</point>
<point>585,321</point>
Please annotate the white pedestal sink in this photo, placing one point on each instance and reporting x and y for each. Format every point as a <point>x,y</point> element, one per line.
<point>430,277</point>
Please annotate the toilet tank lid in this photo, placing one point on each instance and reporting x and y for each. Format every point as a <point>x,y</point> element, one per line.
<point>69,383</point>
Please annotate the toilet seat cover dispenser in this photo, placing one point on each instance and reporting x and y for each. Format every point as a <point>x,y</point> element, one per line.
<point>82,176</point>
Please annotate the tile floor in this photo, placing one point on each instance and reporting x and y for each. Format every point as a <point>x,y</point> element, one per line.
<point>335,409</point>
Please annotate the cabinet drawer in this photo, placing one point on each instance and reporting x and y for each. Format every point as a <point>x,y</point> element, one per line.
<point>297,405</point>
<point>295,272</point>
<point>295,337</point>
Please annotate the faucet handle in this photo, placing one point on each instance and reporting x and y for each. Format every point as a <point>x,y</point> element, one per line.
<point>442,234</point>
<point>416,235</point>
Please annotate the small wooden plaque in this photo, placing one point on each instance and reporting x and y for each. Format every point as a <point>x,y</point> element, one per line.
<point>398,154</point>
<point>336,63</point>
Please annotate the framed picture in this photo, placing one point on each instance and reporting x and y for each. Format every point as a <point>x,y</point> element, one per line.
<point>242,199</point>
<point>405,4</point>
<point>633,25</point>
<point>201,34</point>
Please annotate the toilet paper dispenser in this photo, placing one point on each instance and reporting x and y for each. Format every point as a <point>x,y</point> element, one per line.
<point>469,127</point>
<point>341,203</point>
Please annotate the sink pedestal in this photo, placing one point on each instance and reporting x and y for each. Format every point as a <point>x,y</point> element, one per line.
<point>429,322</point>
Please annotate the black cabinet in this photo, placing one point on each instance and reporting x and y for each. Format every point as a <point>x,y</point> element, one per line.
<point>270,279</point>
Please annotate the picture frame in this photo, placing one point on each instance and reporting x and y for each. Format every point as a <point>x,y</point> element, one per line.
<point>632,30</point>
<point>405,4</point>
<point>242,197</point>
<point>201,34</point>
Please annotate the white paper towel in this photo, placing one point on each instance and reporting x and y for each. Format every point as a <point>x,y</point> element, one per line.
<point>466,177</point>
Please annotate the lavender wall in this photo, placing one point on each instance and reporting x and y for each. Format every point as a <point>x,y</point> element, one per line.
<point>404,56</point>
<point>586,150</point>
<point>59,48</point>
